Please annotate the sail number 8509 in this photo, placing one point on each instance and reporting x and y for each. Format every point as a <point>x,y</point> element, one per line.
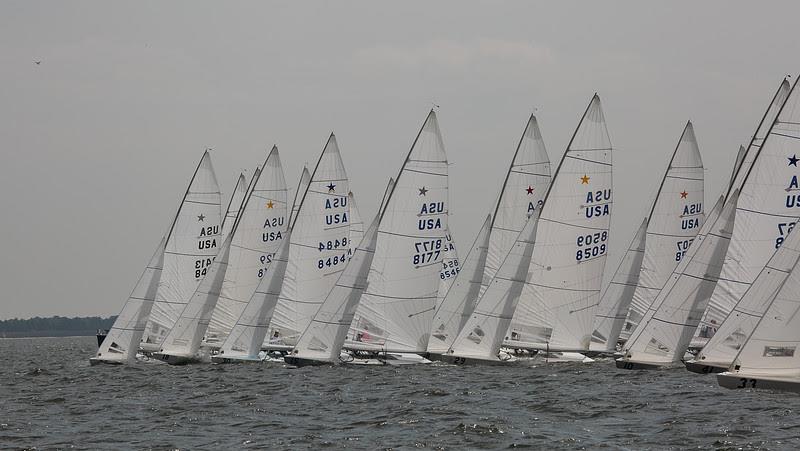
<point>592,245</point>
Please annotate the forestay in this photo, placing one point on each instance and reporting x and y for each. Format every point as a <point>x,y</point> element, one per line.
<point>616,299</point>
<point>667,327</point>
<point>523,191</point>
<point>767,208</point>
<point>324,337</point>
<point>557,307</point>
<point>260,230</point>
<point>459,300</point>
<point>122,341</point>
<point>302,186</point>
<point>675,219</point>
<point>235,204</point>
<point>191,245</point>
<point>396,311</point>
<point>319,246</point>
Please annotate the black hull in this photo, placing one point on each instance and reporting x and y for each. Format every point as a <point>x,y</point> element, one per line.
<point>701,368</point>
<point>632,365</point>
<point>301,362</point>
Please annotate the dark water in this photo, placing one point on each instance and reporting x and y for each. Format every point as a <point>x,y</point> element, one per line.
<point>52,398</point>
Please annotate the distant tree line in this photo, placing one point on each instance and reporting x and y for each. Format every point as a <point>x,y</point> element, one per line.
<point>55,326</point>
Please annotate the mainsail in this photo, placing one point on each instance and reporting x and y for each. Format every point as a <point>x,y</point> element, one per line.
<point>675,219</point>
<point>302,186</point>
<point>397,308</point>
<point>556,310</point>
<point>523,191</point>
<point>189,251</point>
<point>616,299</point>
<point>260,229</point>
<point>664,333</point>
<point>767,208</point>
<point>234,205</point>
<point>324,337</point>
<point>459,300</point>
<point>319,246</point>
<point>122,341</point>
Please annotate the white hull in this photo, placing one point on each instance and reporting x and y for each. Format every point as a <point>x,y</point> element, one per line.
<point>739,380</point>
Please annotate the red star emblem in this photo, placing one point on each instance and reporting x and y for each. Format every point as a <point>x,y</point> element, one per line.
<point>529,190</point>
<point>684,194</point>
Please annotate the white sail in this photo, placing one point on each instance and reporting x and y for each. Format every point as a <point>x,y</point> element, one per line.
<point>459,301</point>
<point>250,330</point>
<point>616,299</point>
<point>234,205</point>
<point>192,243</point>
<point>753,149</point>
<point>122,341</point>
<point>386,193</point>
<point>484,331</point>
<point>325,335</point>
<point>556,310</point>
<point>771,349</point>
<point>356,225</point>
<point>260,230</point>
<point>675,219</point>
<point>182,343</point>
<point>318,249</point>
<point>667,327</point>
<point>524,188</point>
<point>397,308</point>
<point>767,208</point>
<point>737,164</point>
<point>721,349</point>
<point>302,186</point>
<point>450,267</point>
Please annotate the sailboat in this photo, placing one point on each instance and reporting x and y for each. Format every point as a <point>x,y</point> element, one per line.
<point>556,309</point>
<point>122,341</point>
<point>260,230</point>
<point>766,201</point>
<point>396,310</point>
<point>192,243</point>
<point>675,218</point>
<point>321,343</point>
<point>616,299</point>
<point>526,183</point>
<point>318,250</point>
<point>767,358</point>
<point>765,213</point>
<point>450,267</point>
<point>666,329</point>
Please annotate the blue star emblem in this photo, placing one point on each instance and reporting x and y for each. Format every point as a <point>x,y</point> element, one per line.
<point>201,217</point>
<point>423,191</point>
<point>331,187</point>
<point>793,160</point>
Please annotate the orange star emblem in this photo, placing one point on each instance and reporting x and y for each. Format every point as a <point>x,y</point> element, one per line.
<point>585,179</point>
<point>270,204</point>
<point>684,194</point>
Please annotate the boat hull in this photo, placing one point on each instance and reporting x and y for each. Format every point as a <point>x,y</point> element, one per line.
<point>634,365</point>
<point>704,368</point>
<point>458,360</point>
<point>222,359</point>
<point>302,361</point>
<point>176,359</point>
<point>94,361</point>
<point>743,380</point>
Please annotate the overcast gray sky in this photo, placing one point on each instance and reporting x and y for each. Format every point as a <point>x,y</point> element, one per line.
<point>99,140</point>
